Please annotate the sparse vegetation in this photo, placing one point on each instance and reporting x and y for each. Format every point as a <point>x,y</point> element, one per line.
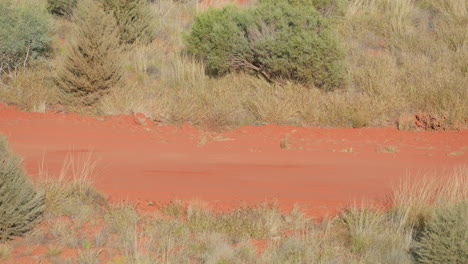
<point>400,62</point>
<point>387,149</point>
<point>405,65</point>
<point>423,222</point>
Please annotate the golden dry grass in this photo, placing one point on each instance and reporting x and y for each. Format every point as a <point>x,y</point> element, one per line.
<point>405,57</point>
<point>400,63</point>
<point>414,199</point>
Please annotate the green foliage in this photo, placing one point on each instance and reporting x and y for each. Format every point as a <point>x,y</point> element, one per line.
<point>445,238</point>
<point>217,34</point>
<point>330,8</point>
<point>23,34</point>
<point>281,40</point>
<point>294,41</point>
<point>61,7</point>
<point>20,205</point>
<point>134,18</point>
<point>92,65</point>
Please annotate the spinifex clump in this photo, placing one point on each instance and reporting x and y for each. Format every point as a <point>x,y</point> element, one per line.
<point>20,205</point>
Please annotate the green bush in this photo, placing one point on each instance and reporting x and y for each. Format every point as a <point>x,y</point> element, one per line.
<point>330,8</point>
<point>217,34</point>
<point>92,64</point>
<point>281,40</point>
<point>61,7</point>
<point>134,18</point>
<point>445,237</point>
<point>23,34</point>
<point>20,205</point>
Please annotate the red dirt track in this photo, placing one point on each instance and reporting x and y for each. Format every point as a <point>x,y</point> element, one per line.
<point>324,168</point>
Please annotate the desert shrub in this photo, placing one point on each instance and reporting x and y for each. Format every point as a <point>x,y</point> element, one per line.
<point>134,18</point>
<point>294,41</point>
<point>92,65</point>
<point>20,205</point>
<point>33,88</point>
<point>287,39</point>
<point>61,7</point>
<point>23,34</point>
<point>445,237</point>
<point>216,35</point>
<point>330,8</point>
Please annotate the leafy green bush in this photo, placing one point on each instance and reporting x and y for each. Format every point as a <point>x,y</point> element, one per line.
<point>281,40</point>
<point>134,18</point>
<point>92,64</point>
<point>23,34</point>
<point>217,34</point>
<point>20,205</point>
<point>294,41</point>
<point>445,238</point>
<point>61,7</point>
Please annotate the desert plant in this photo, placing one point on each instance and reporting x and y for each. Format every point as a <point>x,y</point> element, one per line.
<point>32,88</point>
<point>24,34</point>
<point>218,34</point>
<point>293,41</point>
<point>134,18</point>
<point>445,238</point>
<point>61,7</point>
<point>5,250</point>
<point>413,200</point>
<point>92,66</point>
<point>287,39</point>
<point>330,8</point>
<point>20,205</point>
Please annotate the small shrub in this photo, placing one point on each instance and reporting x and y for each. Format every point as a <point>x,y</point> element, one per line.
<point>5,250</point>
<point>92,66</point>
<point>134,18</point>
<point>24,34</point>
<point>216,35</point>
<point>294,41</point>
<point>33,88</point>
<point>175,209</point>
<point>330,8</point>
<point>61,7</point>
<point>20,205</point>
<point>281,40</point>
<point>445,237</point>
<point>259,222</point>
<point>122,219</point>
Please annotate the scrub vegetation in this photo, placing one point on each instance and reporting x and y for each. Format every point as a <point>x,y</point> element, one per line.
<point>423,221</point>
<point>346,63</point>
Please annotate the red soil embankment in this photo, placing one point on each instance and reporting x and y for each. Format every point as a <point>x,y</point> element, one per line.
<point>323,168</point>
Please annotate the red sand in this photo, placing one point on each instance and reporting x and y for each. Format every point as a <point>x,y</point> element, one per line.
<point>139,161</point>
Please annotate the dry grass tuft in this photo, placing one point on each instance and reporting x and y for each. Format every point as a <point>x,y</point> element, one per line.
<point>387,149</point>
<point>5,250</point>
<point>32,89</point>
<point>71,193</point>
<point>413,199</point>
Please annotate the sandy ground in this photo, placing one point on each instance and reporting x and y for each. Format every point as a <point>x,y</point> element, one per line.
<point>321,169</point>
